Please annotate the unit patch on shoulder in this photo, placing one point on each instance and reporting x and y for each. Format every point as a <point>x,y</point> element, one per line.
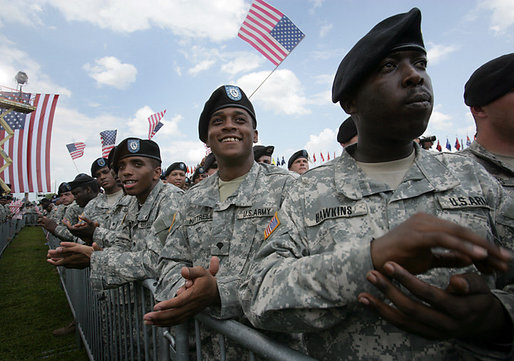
<point>273,224</point>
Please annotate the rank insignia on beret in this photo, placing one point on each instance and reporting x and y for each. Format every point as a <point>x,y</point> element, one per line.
<point>233,92</point>
<point>133,145</point>
<point>273,224</point>
<point>101,162</point>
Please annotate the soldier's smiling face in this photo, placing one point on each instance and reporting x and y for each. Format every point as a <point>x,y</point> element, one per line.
<point>138,176</point>
<point>231,133</point>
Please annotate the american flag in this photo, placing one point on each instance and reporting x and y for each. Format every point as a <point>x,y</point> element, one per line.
<point>273,224</point>
<point>108,138</point>
<point>15,206</point>
<point>29,148</point>
<point>154,121</point>
<point>270,32</point>
<point>76,149</point>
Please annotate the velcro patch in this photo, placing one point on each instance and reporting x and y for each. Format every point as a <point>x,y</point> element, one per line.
<point>273,224</point>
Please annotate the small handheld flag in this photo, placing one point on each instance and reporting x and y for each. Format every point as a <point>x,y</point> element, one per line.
<point>108,139</point>
<point>76,149</point>
<point>154,121</point>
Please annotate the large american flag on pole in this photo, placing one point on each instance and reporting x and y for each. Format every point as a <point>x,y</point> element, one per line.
<point>76,149</point>
<point>29,148</point>
<point>270,32</point>
<point>108,138</point>
<point>154,123</point>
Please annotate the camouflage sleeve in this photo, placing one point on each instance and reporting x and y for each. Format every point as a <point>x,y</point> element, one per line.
<point>175,255</point>
<point>117,265</point>
<point>230,305</point>
<point>290,290</point>
<point>62,232</point>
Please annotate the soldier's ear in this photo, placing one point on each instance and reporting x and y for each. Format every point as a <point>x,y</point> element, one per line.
<point>255,135</point>
<point>349,106</point>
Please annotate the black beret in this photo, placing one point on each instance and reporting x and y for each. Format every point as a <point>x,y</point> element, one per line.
<point>300,154</point>
<point>347,130</point>
<point>398,32</point>
<point>177,165</point>
<point>99,164</point>
<point>490,82</point>
<point>197,172</point>
<point>224,97</point>
<point>63,188</point>
<point>135,147</point>
<point>210,160</point>
<point>81,179</point>
<point>260,150</point>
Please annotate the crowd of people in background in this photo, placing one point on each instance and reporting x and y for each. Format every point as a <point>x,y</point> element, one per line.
<point>389,251</point>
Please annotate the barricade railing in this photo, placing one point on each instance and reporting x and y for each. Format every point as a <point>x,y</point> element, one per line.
<point>111,325</point>
<point>8,229</point>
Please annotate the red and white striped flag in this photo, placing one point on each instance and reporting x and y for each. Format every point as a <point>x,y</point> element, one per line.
<point>29,148</point>
<point>108,139</point>
<point>154,121</point>
<point>270,32</point>
<point>76,149</point>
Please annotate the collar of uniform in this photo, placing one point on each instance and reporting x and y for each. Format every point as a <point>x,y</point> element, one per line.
<point>438,176</point>
<point>149,204</point>
<point>243,197</point>
<point>206,193</point>
<point>483,153</point>
<point>351,181</point>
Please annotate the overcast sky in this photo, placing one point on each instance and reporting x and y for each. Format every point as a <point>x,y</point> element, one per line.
<point>117,62</point>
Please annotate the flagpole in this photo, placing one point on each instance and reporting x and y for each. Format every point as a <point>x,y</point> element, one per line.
<point>75,165</point>
<point>255,91</point>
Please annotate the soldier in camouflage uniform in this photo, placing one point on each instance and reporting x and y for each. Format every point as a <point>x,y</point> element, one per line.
<point>490,96</point>
<point>134,254</point>
<point>51,223</point>
<point>104,213</point>
<point>222,222</point>
<point>350,225</point>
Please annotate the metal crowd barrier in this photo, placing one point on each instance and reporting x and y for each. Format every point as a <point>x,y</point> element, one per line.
<point>8,230</point>
<point>111,325</point>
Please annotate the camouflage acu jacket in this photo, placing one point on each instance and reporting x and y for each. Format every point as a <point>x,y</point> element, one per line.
<point>135,252</point>
<point>308,275</point>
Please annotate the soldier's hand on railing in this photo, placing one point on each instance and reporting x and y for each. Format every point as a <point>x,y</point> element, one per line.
<point>47,223</point>
<point>214,266</point>
<point>84,229</point>
<point>71,255</point>
<point>201,293</point>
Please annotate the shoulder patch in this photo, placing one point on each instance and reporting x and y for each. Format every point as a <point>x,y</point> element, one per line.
<point>273,224</point>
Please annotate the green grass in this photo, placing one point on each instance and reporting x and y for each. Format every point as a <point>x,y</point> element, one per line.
<point>32,304</point>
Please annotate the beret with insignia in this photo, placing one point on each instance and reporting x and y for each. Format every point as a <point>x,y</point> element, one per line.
<point>260,150</point>
<point>63,188</point>
<point>99,164</point>
<point>491,81</point>
<point>81,180</point>
<point>398,32</point>
<point>347,130</point>
<point>224,97</point>
<point>197,172</point>
<point>210,162</point>
<point>300,154</point>
<point>135,147</point>
<point>177,165</point>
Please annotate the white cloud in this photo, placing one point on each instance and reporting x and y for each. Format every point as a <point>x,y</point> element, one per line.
<point>440,121</point>
<point>325,141</point>
<point>241,62</point>
<point>502,16</point>
<point>216,20</point>
<point>437,52</point>
<point>325,29</point>
<point>190,152</point>
<point>281,93</point>
<point>111,71</point>
<point>14,60</point>
<point>316,3</point>
<point>139,124</point>
<point>25,12</point>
